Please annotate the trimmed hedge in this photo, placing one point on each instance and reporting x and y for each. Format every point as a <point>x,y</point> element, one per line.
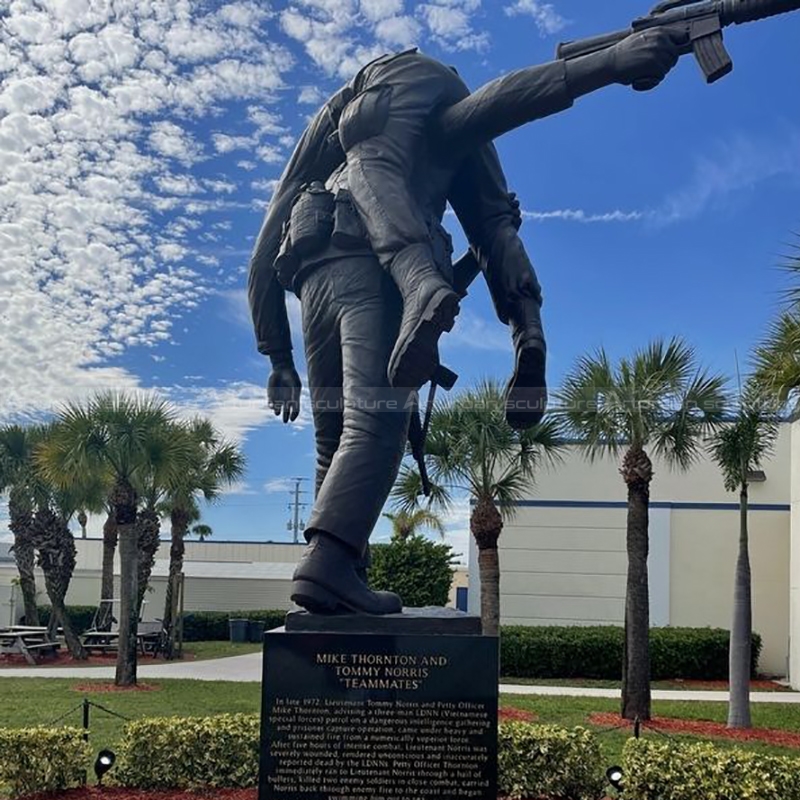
<point>222,751</point>
<point>41,760</point>
<point>596,652</point>
<point>534,761</point>
<point>672,771</point>
<point>189,752</point>
<point>80,616</point>
<point>212,626</point>
<point>549,761</point>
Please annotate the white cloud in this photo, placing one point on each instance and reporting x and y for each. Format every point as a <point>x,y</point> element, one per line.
<point>340,36</point>
<point>278,485</point>
<point>239,488</point>
<point>96,110</point>
<point>547,19</point>
<point>579,215</point>
<point>738,164</point>
<point>310,95</point>
<point>169,139</point>
<point>475,332</point>
<point>235,409</point>
<point>450,23</point>
<point>457,532</point>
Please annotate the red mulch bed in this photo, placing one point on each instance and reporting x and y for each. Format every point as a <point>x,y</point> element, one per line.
<point>95,793</point>
<point>64,659</point>
<point>104,688</point>
<point>722,686</point>
<point>60,660</point>
<point>117,793</point>
<point>516,715</point>
<point>704,728</point>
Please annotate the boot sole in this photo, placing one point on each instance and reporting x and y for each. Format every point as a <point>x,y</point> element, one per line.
<point>319,600</point>
<point>316,599</point>
<point>414,364</point>
<point>527,389</point>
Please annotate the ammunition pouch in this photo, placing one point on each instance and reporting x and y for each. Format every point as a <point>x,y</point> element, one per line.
<point>311,220</point>
<point>318,218</point>
<point>348,229</point>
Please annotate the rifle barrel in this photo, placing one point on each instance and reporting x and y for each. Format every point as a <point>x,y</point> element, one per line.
<point>736,12</point>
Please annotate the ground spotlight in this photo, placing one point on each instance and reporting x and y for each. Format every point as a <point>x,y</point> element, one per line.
<point>105,760</point>
<point>614,775</point>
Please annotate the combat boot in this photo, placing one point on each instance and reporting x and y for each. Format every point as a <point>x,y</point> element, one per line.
<point>526,394</point>
<point>326,581</point>
<point>430,307</point>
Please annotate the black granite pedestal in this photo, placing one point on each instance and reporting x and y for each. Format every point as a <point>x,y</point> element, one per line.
<point>401,707</point>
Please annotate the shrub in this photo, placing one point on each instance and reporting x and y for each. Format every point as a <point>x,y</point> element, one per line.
<point>655,771</point>
<point>596,652</point>
<point>212,626</point>
<point>549,761</point>
<point>189,752</point>
<point>41,760</point>
<point>80,616</point>
<point>419,570</point>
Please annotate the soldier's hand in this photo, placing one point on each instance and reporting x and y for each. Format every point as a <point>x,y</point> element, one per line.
<point>644,59</point>
<point>283,392</point>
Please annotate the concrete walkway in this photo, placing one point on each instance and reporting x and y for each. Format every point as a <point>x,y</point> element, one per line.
<point>248,668</point>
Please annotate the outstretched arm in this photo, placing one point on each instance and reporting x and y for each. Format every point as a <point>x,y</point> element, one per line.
<point>536,92</point>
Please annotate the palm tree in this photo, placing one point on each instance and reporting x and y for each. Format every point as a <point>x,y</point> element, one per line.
<point>406,524</point>
<point>213,465</point>
<point>740,448</point>
<point>202,531</point>
<point>777,358</point>
<point>471,446</point>
<point>113,434</point>
<point>16,472</point>
<point>657,400</point>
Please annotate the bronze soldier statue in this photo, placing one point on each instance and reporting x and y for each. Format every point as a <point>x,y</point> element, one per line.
<point>355,230</point>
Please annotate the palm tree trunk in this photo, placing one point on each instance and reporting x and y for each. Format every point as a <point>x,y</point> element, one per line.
<point>25,558</point>
<point>148,533</point>
<point>177,549</point>
<point>124,502</point>
<point>74,644</point>
<point>741,629</point>
<point>486,525</point>
<point>106,611</point>
<point>637,470</point>
<point>24,555</point>
<point>129,610</point>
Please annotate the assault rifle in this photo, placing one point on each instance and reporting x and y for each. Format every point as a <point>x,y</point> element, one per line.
<point>700,22</point>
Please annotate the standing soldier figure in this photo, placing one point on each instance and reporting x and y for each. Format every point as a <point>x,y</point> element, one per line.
<point>355,230</point>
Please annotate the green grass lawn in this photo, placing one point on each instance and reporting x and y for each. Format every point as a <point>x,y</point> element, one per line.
<point>202,651</point>
<point>39,701</point>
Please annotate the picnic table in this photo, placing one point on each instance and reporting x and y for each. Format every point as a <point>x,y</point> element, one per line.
<point>103,641</point>
<point>148,639</point>
<point>27,641</point>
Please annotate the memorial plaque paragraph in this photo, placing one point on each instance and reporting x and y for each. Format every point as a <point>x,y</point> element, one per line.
<point>379,717</point>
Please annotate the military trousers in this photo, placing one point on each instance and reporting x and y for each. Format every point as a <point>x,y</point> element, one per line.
<point>351,316</point>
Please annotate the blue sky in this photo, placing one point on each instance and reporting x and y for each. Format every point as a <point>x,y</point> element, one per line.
<point>139,143</point>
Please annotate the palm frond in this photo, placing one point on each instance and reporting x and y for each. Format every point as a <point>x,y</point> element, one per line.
<point>776,360</point>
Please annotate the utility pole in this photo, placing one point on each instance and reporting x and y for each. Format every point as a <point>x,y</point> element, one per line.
<point>295,524</point>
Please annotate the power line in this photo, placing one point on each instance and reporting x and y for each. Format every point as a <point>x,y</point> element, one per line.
<point>295,524</point>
